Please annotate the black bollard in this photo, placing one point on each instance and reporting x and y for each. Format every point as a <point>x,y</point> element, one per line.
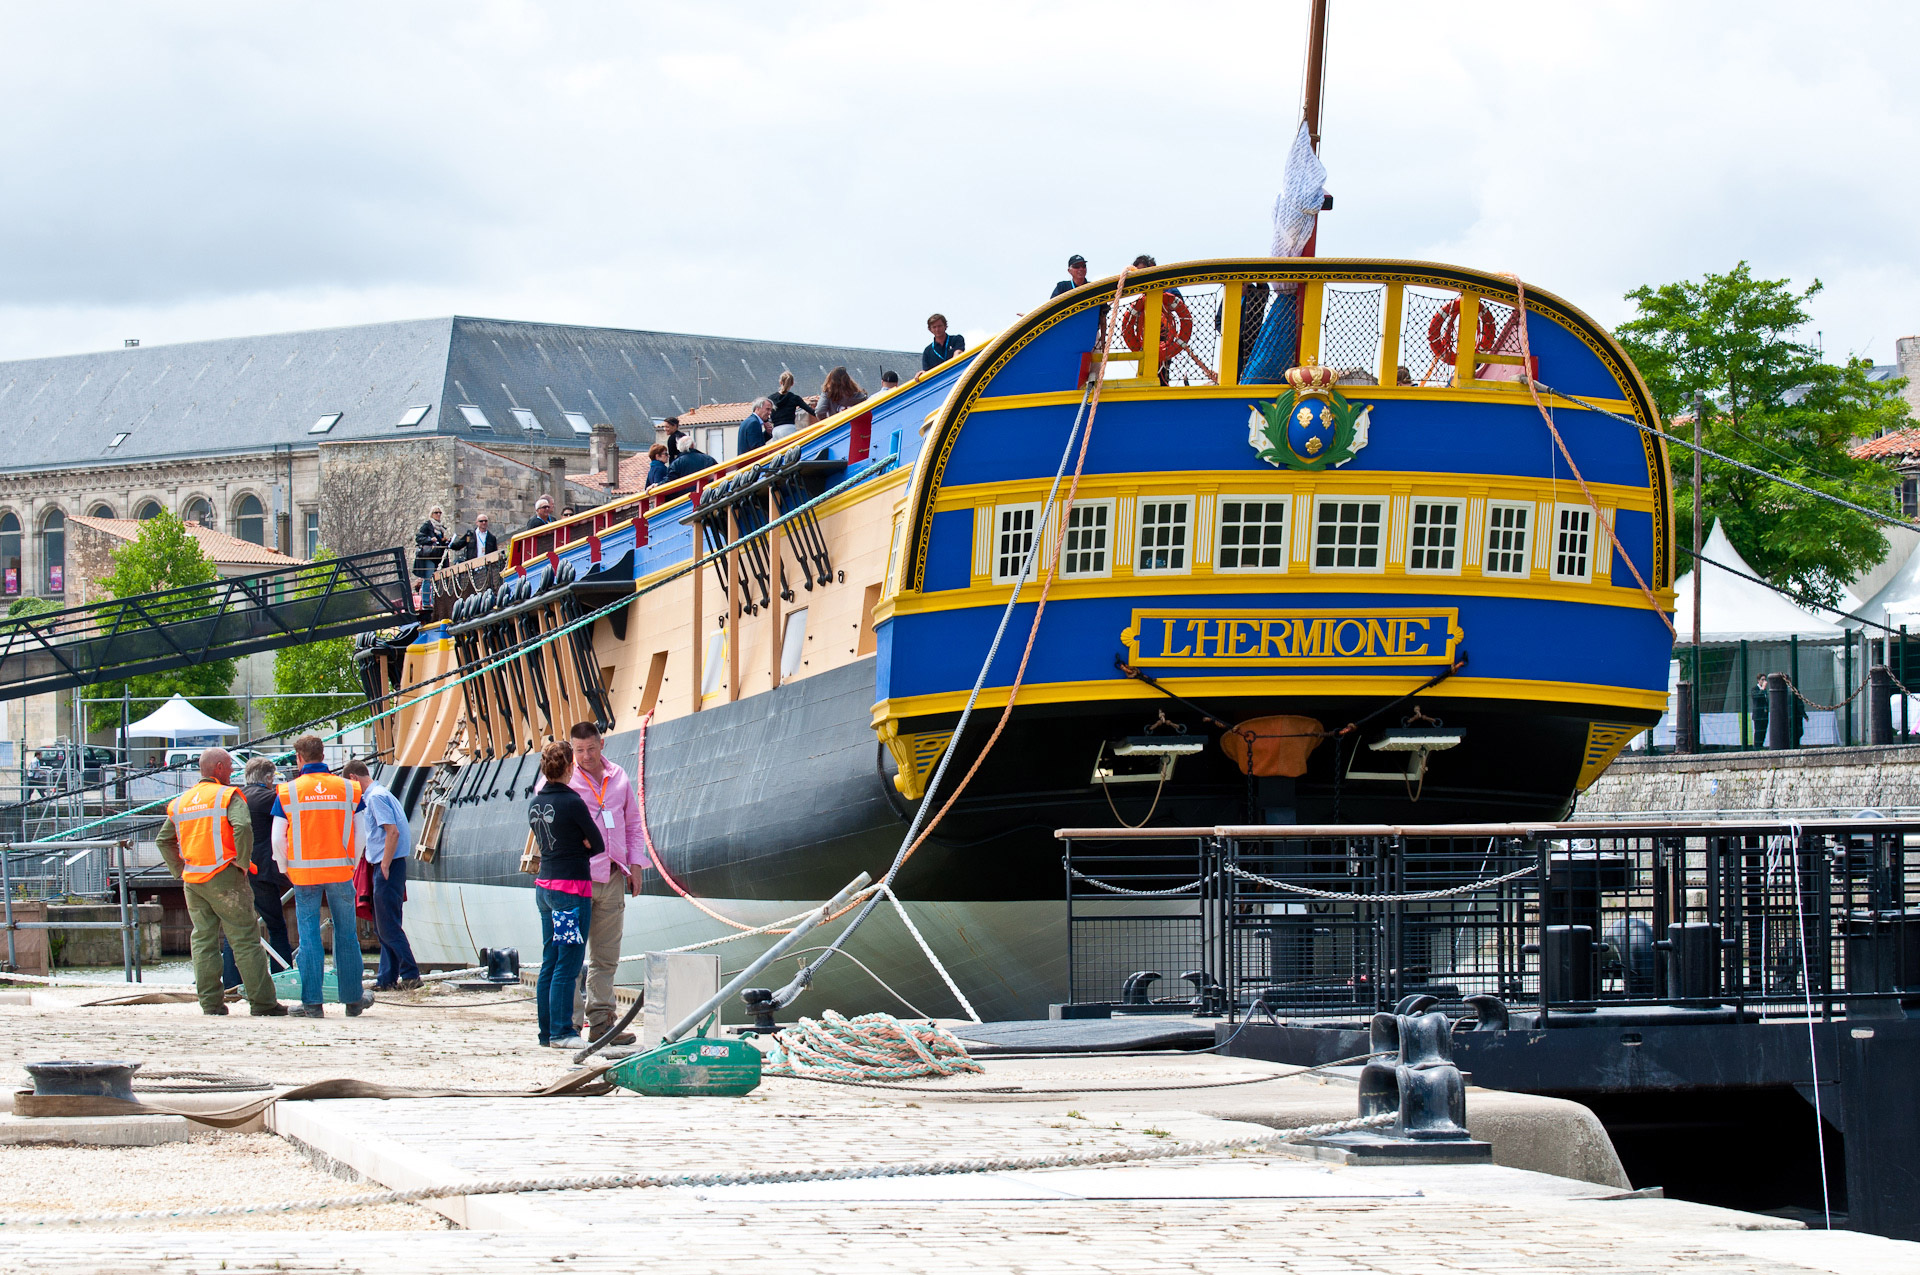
<point>1879,705</point>
<point>1779,712</point>
<point>1683,741</point>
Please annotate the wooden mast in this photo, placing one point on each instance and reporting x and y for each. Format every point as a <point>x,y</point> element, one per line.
<point>1316,74</point>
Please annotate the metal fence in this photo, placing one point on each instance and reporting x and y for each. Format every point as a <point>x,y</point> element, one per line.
<point>1767,918</point>
<point>56,871</point>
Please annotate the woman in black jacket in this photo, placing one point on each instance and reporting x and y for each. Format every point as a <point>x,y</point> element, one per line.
<point>567,837</point>
<point>429,553</point>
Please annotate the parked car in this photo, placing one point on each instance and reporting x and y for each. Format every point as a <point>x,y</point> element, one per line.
<point>60,767</point>
<point>187,758</point>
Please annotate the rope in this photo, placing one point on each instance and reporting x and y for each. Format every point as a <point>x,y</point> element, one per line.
<point>1097,884</point>
<point>1423,896</point>
<point>632,1181</point>
<point>870,1047</point>
<point>1599,521</point>
<point>914,930</point>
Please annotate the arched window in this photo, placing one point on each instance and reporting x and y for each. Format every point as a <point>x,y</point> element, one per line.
<point>147,509</point>
<point>199,510</point>
<point>10,552</point>
<point>53,551</point>
<point>101,509</point>
<point>250,520</point>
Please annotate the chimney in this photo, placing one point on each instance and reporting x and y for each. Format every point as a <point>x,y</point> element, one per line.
<point>557,482</point>
<point>1906,352</point>
<point>605,454</point>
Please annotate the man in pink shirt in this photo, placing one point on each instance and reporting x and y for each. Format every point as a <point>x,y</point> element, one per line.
<point>615,805</point>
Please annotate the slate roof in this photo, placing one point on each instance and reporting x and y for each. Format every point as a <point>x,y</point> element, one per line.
<point>221,549</point>
<point>250,393</point>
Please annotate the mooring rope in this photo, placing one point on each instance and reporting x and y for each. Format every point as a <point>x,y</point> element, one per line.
<point>870,1047</point>
<point>632,1181</point>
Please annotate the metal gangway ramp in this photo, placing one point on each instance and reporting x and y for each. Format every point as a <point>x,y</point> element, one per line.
<point>221,619</point>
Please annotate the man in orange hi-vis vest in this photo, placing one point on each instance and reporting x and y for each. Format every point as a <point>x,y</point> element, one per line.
<point>207,842</point>
<point>313,844</point>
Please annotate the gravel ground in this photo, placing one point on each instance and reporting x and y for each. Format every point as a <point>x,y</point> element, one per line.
<point>211,1168</point>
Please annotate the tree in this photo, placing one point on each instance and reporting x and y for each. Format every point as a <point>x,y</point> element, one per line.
<point>163,556</point>
<point>1773,403</point>
<point>31,606</point>
<point>312,669</point>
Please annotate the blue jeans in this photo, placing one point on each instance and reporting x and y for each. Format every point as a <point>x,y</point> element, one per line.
<point>559,963</point>
<point>347,966</point>
<point>396,954</point>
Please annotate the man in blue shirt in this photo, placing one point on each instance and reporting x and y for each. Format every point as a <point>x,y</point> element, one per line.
<point>387,837</point>
<point>1076,275</point>
<point>753,430</point>
<point>944,346</point>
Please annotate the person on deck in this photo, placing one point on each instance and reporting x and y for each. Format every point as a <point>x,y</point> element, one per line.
<point>429,553</point>
<point>477,543</point>
<point>889,381</point>
<point>838,393</point>
<point>207,842</point>
<point>568,838</point>
<point>691,460</point>
<point>615,806</point>
<point>314,844</point>
<point>656,464</point>
<point>753,429</point>
<point>1076,275</point>
<point>786,407</point>
<point>943,346</point>
<point>384,831</point>
<point>542,514</point>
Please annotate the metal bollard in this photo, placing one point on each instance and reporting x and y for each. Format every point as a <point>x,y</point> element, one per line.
<point>1566,963</point>
<point>1415,1078</point>
<point>1879,705</point>
<point>1693,960</point>
<point>1779,712</point>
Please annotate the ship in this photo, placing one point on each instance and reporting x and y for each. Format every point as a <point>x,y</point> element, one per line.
<point>1284,540</point>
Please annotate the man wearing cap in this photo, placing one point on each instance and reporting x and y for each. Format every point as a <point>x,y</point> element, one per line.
<point>314,844</point>
<point>207,842</point>
<point>1076,275</point>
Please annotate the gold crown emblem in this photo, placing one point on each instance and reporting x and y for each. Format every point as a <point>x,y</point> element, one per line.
<point>1310,378</point>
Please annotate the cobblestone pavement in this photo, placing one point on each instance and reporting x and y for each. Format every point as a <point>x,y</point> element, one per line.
<point>1273,1213</point>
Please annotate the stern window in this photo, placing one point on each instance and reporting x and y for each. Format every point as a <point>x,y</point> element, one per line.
<point>1507,539</point>
<point>1253,535</point>
<point>1572,542</point>
<point>1346,535</point>
<point>1013,527</point>
<point>1086,551</point>
<point>1433,537</point>
<point>1163,536</point>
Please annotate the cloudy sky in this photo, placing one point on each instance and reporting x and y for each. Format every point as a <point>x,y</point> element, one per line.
<point>833,171</point>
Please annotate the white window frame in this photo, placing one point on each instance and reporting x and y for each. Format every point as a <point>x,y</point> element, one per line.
<point>1141,505</point>
<point>476,418</point>
<point>579,423</point>
<point>1459,508</point>
<point>994,554</point>
<point>1220,545</point>
<point>1530,512</point>
<point>1380,546</point>
<point>1105,570</point>
<point>529,423</point>
<point>415,414</point>
<point>1553,550</point>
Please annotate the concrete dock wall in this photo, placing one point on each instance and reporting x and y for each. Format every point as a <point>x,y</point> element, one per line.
<point>1835,780</point>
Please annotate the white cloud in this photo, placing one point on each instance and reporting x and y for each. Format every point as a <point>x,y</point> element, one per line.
<point>834,171</point>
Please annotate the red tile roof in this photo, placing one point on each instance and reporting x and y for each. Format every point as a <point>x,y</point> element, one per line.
<point>221,549</point>
<point>1897,445</point>
<point>715,414</point>
<point>633,474</point>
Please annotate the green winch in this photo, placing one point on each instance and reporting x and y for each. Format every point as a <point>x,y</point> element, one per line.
<point>695,1067</point>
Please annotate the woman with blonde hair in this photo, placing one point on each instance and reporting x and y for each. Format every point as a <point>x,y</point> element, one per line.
<point>786,404</point>
<point>838,392</point>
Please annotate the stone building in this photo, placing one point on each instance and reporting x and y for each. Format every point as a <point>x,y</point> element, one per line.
<point>246,435</point>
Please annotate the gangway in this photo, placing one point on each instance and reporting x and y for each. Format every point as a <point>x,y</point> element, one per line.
<point>221,619</point>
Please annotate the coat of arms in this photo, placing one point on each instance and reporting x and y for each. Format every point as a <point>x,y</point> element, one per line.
<point>1310,426</point>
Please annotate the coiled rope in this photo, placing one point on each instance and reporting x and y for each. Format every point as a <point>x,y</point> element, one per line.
<point>870,1047</point>
<point>631,1181</point>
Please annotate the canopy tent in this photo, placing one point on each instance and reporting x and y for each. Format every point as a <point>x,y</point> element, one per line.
<point>1733,609</point>
<point>177,719</point>
<point>1898,601</point>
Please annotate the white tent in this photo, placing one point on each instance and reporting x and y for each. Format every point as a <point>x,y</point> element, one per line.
<point>1898,601</point>
<point>1733,609</point>
<point>177,719</point>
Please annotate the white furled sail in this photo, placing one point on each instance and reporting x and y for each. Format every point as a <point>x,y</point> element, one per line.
<point>1303,190</point>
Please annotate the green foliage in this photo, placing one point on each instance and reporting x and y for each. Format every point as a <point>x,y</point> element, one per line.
<point>314,667</point>
<point>1773,403</point>
<point>163,556</point>
<point>31,606</point>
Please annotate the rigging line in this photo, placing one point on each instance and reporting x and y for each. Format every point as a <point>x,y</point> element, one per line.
<point>1599,519</point>
<point>1089,407</point>
<point>1789,596</point>
<point>511,653</point>
<point>1876,514</point>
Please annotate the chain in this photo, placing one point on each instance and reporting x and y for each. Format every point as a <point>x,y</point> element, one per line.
<point>1823,708</point>
<point>628,1181</point>
<point>1422,897</point>
<point>1078,875</point>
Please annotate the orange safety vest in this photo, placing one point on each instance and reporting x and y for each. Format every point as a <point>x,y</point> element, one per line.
<point>200,822</point>
<point>319,813</point>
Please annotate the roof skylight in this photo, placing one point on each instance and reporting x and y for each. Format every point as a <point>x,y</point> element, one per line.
<point>414,415</point>
<point>528,421</point>
<point>119,438</point>
<point>579,423</point>
<point>324,424</point>
<point>476,418</point>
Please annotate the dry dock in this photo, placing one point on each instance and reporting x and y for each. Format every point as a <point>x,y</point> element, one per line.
<point>1554,1201</point>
